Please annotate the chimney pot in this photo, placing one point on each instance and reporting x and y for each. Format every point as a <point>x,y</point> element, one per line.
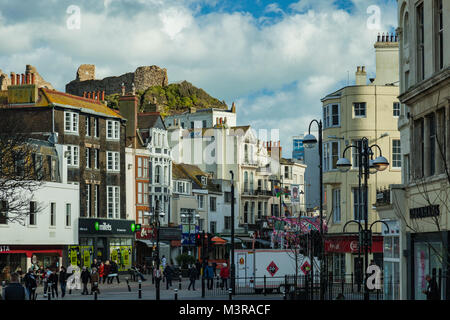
<point>23,78</point>
<point>103,95</point>
<point>358,69</point>
<point>33,78</point>
<point>378,37</point>
<point>27,78</point>
<point>89,95</point>
<point>17,79</point>
<point>13,78</point>
<point>84,94</point>
<point>98,95</point>
<point>363,69</point>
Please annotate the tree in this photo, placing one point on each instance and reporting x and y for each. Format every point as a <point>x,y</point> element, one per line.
<point>21,174</point>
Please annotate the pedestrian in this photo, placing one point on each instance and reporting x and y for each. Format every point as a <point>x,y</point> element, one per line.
<point>94,281</point>
<point>209,275</point>
<point>101,272</point>
<point>53,282</point>
<point>224,274</point>
<point>135,268</point>
<point>168,274</point>
<point>164,261</point>
<point>19,272</point>
<point>85,278</point>
<point>432,291</point>
<point>41,273</point>
<point>198,266</point>
<point>46,275</point>
<point>114,272</point>
<point>214,266</point>
<point>94,264</point>
<point>192,277</point>
<point>30,284</point>
<point>106,271</point>
<point>14,290</point>
<point>63,280</point>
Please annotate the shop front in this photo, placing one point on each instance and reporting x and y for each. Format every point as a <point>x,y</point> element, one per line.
<point>145,241</point>
<point>104,239</point>
<point>428,256</point>
<point>344,257</point>
<point>21,258</point>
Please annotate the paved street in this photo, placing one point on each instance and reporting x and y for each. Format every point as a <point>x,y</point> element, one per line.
<point>120,291</point>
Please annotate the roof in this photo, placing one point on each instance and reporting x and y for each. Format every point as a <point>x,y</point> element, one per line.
<point>48,97</point>
<point>150,120</point>
<point>178,173</point>
<point>194,173</point>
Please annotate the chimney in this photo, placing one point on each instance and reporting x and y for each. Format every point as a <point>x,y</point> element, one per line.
<point>128,107</point>
<point>17,79</point>
<point>33,78</point>
<point>361,76</point>
<point>103,95</point>
<point>27,78</point>
<point>89,95</point>
<point>123,89</point>
<point>233,108</point>
<point>13,78</point>
<point>84,94</point>
<point>98,96</point>
<point>386,55</point>
<point>133,89</point>
<point>23,78</point>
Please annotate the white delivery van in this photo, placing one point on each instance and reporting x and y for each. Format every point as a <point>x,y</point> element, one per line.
<point>275,264</point>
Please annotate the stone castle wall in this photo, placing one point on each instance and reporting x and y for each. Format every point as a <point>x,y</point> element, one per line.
<point>142,78</point>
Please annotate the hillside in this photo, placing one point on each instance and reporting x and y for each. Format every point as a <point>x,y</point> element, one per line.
<point>171,99</point>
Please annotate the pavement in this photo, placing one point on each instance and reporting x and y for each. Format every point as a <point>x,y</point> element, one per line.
<point>120,291</point>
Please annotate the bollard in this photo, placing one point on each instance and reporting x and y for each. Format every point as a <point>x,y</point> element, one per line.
<point>179,284</point>
<point>176,294</point>
<point>265,284</point>
<point>230,293</point>
<point>49,291</point>
<point>203,287</point>
<point>95,293</point>
<point>128,284</point>
<point>140,289</point>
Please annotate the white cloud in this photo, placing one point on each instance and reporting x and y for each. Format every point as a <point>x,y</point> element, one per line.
<point>277,71</point>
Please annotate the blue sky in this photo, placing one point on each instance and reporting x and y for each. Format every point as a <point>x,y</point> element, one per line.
<point>275,59</point>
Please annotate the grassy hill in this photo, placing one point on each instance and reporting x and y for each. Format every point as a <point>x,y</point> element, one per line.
<point>173,98</point>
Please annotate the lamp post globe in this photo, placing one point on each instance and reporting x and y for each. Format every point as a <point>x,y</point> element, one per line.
<point>309,141</point>
<point>381,163</point>
<point>343,165</point>
<point>372,168</point>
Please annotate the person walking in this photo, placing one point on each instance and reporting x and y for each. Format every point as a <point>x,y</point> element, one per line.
<point>192,277</point>
<point>432,291</point>
<point>46,275</point>
<point>209,275</point>
<point>14,290</point>
<point>94,264</point>
<point>224,274</point>
<point>30,284</point>
<point>168,274</point>
<point>95,278</point>
<point>85,278</point>
<point>101,272</point>
<point>53,281</point>
<point>198,266</point>
<point>114,272</point>
<point>106,271</point>
<point>63,280</point>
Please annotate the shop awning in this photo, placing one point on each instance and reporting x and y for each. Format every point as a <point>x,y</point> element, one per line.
<point>236,240</point>
<point>218,240</point>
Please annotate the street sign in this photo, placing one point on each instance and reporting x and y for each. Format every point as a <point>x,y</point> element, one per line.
<point>306,267</point>
<point>272,268</point>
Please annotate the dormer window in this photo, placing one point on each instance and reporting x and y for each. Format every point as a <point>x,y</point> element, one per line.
<point>204,180</point>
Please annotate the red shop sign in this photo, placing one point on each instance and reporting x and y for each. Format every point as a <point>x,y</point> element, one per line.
<point>145,234</point>
<point>350,244</point>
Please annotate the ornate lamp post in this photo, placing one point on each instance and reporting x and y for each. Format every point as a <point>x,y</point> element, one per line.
<point>367,165</point>
<point>156,215</point>
<point>309,141</point>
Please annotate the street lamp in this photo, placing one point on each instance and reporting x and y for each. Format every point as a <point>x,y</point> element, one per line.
<point>367,165</point>
<point>309,141</point>
<point>190,215</point>
<point>233,267</point>
<point>157,224</point>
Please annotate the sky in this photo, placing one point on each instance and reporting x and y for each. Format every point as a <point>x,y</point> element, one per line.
<point>274,59</point>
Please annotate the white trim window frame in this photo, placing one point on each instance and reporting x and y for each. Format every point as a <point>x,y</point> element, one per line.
<point>112,130</point>
<point>336,205</point>
<point>71,122</point>
<point>73,159</point>
<point>112,161</point>
<point>332,115</point>
<point>113,202</point>
<point>359,110</point>
<point>396,109</point>
<point>396,154</point>
<point>331,154</point>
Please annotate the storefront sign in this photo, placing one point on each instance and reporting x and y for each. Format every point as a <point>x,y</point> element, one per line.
<point>350,244</point>
<point>424,212</point>
<point>145,234</point>
<point>105,227</point>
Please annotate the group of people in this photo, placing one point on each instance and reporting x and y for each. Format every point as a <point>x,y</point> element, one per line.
<point>208,272</point>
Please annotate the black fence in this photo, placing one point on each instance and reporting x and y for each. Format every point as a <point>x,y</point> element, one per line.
<point>301,287</point>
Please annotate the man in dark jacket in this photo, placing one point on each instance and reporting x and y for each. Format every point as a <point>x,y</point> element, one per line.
<point>31,284</point>
<point>168,274</point>
<point>53,280</point>
<point>85,278</point>
<point>114,272</point>
<point>63,280</point>
<point>192,277</point>
<point>198,266</point>
<point>432,291</point>
<point>14,290</point>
